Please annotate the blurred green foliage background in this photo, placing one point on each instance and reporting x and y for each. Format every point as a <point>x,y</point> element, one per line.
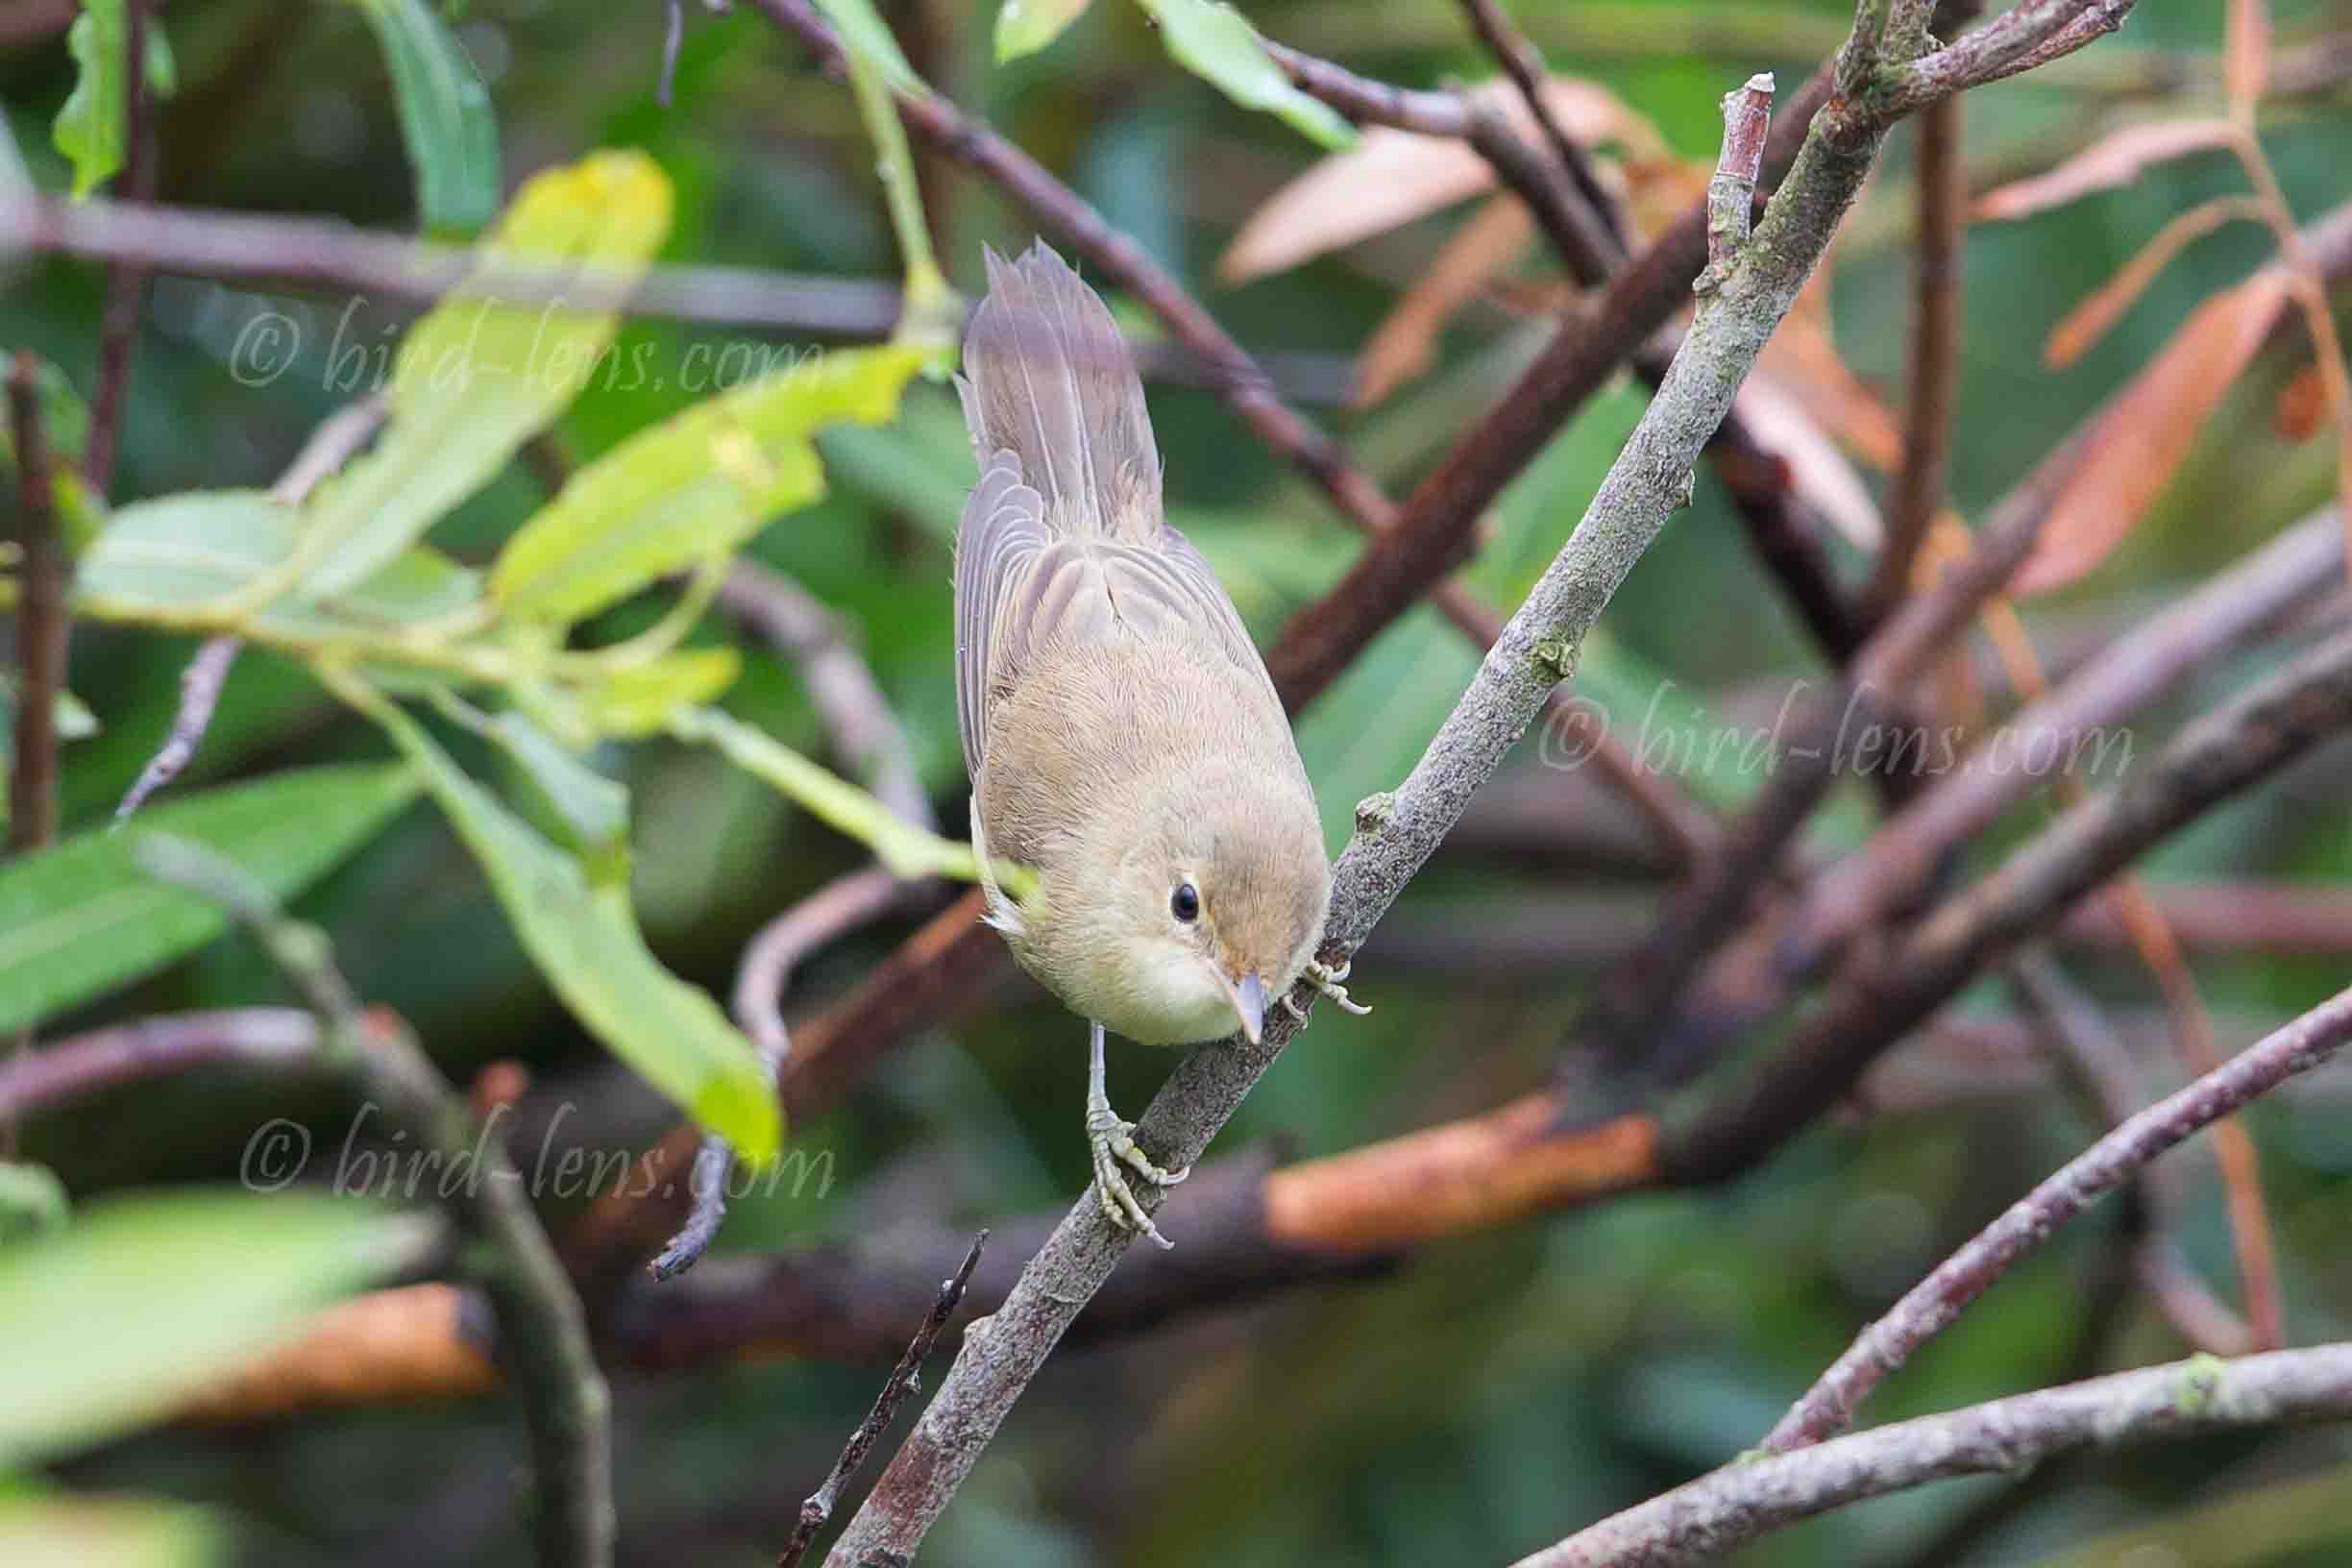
<point>1495,1391</point>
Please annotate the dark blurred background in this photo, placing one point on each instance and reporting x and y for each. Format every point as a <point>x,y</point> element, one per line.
<point>1493,1392</point>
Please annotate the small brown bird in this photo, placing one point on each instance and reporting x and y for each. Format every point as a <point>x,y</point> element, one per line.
<point>1123,738</point>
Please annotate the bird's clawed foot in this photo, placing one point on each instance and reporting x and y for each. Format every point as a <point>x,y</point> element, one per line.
<point>1326,979</point>
<point>1113,1142</point>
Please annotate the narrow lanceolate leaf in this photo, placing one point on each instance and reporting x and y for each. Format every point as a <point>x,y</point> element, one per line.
<point>79,918</point>
<point>1217,44</point>
<point>863,29</point>
<point>585,940</point>
<point>445,116</point>
<point>2114,161</point>
<point>192,554</point>
<point>1024,27</point>
<point>906,850</point>
<point>90,126</point>
<point>695,487</point>
<point>475,380</point>
<point>2147,428</point>
<point>587,811</point>
<point>85,1353</point>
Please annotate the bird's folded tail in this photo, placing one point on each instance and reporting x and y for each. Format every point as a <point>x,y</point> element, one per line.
<point>1048,377</point>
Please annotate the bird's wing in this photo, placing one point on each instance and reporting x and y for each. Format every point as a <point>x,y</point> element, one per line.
<point>1020,587</point>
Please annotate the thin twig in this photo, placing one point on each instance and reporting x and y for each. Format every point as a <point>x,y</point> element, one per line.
<point>1731,1506</point>
<point>125,292</point>
<point>1523,64</point>
<point>904,1382</point>
<point>72,1070</point>
<point>43,624</point>
<point>1934,379</point>
<point>837,908</point>
<point>330,447</point>
<point>316,253</point>
<point>1937,1302</point>
<point>545,1337</point>
<point>2110,1080</point>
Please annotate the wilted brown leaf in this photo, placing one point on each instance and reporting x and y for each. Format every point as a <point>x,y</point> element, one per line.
<point>2114,160</point>
<point>2247,60</point>
<point>2147,430</point>
<point>1391,177</point>
<point>1801,358</point>
<point>2089,322</point>
<point>1818,472</point>
<point>1407,341</point>
<point>2302,406</point>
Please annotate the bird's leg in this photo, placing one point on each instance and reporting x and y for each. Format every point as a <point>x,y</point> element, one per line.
<point>1112,1144</point>
<point>1326,979</point>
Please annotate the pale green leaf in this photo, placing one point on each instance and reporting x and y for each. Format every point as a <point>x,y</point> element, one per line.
<point>475,380</point>
<point>81,1530</point>
<point>74,720</point>
<point>693,487</point>
<point>907,850</point>
<point>1217,44</point>
<point>195,551</point>
<point>588,812</point>
<point>863,29</point>
<point>637,701</point>
<point>587,943</point>
<point>445,116</point>
<point>79,918</point>
<point>84,1351</point>
<point>90,126</point>
<point>33,1202</point>
<point>1024,27</point>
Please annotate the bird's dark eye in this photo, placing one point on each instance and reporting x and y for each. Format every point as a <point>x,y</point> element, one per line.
<point>1185,902</point>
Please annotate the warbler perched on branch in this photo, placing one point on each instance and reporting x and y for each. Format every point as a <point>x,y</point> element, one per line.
<point>1123,737</point>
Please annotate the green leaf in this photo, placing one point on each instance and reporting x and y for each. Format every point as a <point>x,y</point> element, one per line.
<point>196,550</point>
<point>90,1532</point>
<point>473,380</point>
<point>585,940</point>
<point>863,29</point>
<point>85,1354</point>
<point>89,126</point>
<point>637,701</point>
<point>695,487</point>
<point>907,850</point>
<point>79,918</point>
<point>1217,44</point>
<point>445,116</point>
<point>1024,27</point>
<point>588,812</point>
<point>33,1202</point>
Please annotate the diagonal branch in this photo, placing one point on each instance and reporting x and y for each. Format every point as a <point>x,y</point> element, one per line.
<point>1937,1302</point>
<point>1723,1511</point>
<point>1396,833</point>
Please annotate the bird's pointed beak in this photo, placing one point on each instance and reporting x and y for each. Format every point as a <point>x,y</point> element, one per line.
<point>1249,1000</point>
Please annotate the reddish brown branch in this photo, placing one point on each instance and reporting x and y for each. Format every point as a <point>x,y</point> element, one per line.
<point>126,293</point>
<point>42,624</point>
<point>1934,382</point>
